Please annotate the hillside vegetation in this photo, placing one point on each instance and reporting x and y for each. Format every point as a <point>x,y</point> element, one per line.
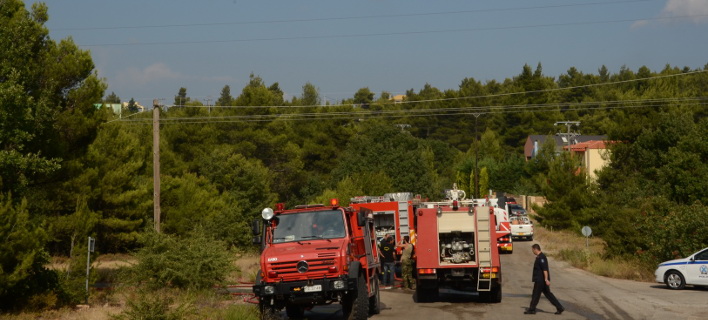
<point>69,170</point>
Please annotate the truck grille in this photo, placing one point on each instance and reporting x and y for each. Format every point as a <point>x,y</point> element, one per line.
<point>317,267</point>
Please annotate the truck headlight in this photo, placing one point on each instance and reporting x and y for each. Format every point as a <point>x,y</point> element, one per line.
<point>338,284</point>
<point>268,290</point>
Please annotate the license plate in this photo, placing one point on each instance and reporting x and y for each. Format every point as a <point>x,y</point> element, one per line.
<point>313,288</point>
<point>521,233</point>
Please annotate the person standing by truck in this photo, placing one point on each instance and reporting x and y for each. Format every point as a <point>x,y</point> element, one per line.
<point>389,262</point>
<point>407,264</point>
<point>541,282</point>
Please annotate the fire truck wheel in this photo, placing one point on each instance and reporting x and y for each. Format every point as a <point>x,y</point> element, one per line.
<point>295,312</point>
<point>355,306</point>
<point>375,300</point>
<point>267,312</point>
<point>426,294</point>
<point>494,296</point>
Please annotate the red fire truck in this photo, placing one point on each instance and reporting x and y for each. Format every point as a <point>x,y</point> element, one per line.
<point>457,248</point>
<point>315,255</point>
<point>393,213</point>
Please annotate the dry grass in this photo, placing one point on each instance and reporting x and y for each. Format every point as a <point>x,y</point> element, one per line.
<point>571,247</point>
<point>103,304</point>
<point>247,265</point>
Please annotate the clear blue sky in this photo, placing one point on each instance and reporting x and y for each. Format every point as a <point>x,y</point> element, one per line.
<point>149,49</point>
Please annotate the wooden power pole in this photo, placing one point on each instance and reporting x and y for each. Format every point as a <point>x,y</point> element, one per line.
<point>156,162</point>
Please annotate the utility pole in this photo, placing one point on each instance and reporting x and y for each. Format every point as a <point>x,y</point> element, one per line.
<point>568,135</point>
<point>156,162</point>
<point>476,157</point>
<point>208,100</point>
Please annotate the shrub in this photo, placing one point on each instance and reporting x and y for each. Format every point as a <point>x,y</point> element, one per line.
<point>194,262</point>
<point>155,306</point>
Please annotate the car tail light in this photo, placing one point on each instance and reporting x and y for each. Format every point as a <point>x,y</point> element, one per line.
<point>488,270</point>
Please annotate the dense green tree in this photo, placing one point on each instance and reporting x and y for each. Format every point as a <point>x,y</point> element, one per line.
<point>112,98</point>
<point>45,86</point>
<point>181,98</point>
<point>225,99</point>
<point>132,106</point>
<point>22,256</point>
<point>363,96</point>
<point>310,95</point>
<point>118,185</point>
<point>385,148</point>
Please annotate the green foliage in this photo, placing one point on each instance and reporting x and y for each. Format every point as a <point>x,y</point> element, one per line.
<point>225,98</point>
<point>568,193</point>
<point>22,257</point>
<point>363,96</point>
<point>483,182</point>
<point>191,262</point>
<point>155,306</point>
<point>385,148</point>
<point>668,232</point>
<point>112,98</point>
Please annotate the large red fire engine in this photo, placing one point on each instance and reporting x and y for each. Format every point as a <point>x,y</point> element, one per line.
<point>314,255</point>
<point>457,248</point>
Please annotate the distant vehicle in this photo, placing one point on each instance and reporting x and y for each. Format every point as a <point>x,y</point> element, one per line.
<point>676,274</point>
<point>521,227</point>
<point>516,209</point>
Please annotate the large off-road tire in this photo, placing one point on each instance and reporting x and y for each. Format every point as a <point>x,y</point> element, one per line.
<point>295,311</point>
<point>425,294</point>
<point>493,296</point>
<point>674,280</point>
<point>356,304</point>
<point>267,312</point>
<point>375,300</point>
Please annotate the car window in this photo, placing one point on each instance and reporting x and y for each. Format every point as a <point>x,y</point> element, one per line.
<point>702,255</point>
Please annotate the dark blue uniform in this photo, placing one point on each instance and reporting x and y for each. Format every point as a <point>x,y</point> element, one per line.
<point>539,284</point>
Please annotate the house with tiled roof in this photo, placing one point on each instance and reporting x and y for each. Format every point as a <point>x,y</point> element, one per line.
<point>534,142</point>
<point>593,155</point>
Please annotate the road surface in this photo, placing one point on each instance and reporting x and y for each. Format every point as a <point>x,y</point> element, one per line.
<point>584,296</point>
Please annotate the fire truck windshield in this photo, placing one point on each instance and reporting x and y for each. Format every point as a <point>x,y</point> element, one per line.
<point>309,225</point>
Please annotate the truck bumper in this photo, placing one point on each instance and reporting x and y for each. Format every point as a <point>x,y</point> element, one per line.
<point>506,247</point>
<point>305,292</point>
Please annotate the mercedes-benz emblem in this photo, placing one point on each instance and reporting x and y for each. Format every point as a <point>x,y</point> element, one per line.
<point>302,266</point>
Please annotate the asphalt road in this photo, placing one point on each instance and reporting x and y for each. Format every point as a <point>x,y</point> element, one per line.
<point>584,296</point>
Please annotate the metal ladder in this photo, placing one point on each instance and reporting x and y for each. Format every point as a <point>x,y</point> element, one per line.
<point>403,218</point>
<point>484,249</point>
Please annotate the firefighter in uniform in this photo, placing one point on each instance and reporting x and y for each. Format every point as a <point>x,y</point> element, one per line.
<point>541,282</point>
<point>407,264</point>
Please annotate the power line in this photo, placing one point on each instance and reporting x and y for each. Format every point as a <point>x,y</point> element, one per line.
<point>386,16</point>
<point>476,97</point>
<point>405,116</point>
<point>364,35</point>
<point>587,106</point>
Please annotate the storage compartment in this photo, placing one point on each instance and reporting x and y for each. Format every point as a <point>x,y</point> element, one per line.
<point>456,247</point>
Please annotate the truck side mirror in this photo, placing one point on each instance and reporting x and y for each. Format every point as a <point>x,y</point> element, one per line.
<point>361,217</point>
<point>256,227</point>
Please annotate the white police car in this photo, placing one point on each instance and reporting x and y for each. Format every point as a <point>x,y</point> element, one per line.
<point>680,272</point>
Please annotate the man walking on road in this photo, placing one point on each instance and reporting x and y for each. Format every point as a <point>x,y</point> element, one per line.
<point>541,282</point>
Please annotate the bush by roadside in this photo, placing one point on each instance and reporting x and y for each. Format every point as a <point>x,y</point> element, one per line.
<point>571,247</point>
